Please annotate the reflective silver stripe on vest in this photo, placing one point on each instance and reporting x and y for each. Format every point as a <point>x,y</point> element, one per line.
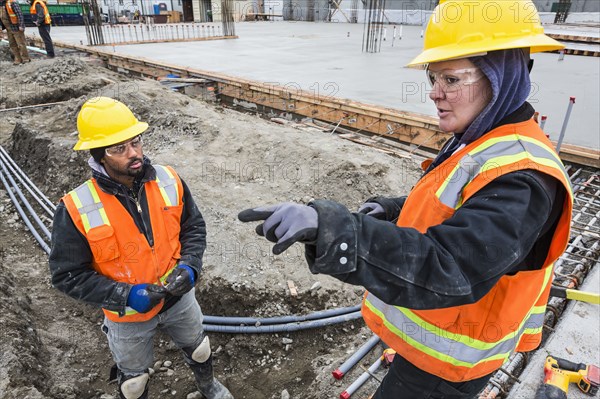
<point>470,166</point>
<point>89,207</point>
<point>168,183</point>
<point>441,340</point>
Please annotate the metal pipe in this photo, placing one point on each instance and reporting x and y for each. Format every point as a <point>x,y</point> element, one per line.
<point>565,122</point>
<point>339,373</point>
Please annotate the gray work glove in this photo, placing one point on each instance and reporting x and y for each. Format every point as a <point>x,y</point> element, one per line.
<point>284,224</point>
<point>372,209</point>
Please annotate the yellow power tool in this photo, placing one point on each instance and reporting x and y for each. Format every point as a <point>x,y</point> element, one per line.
<point>559,373</point>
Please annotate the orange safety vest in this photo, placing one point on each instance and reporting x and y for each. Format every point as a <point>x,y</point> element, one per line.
<point>11,13</point>
<point>120,251</point>
<point>33,11</point>
<point>462,343</point>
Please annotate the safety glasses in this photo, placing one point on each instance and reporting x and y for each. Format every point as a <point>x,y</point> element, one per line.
<point>121,149</point>
<point>452,80</point>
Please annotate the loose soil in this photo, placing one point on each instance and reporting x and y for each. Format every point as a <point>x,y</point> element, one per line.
<point>51,346</point>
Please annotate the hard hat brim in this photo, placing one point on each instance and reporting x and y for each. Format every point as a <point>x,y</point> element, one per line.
<point>537,43</point>
<point>123,135</point>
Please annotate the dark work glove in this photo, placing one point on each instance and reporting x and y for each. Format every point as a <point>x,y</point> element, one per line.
<point>372,209</point>
<point>143,297</point>
<point>284,224</point>
<point>180,281</point>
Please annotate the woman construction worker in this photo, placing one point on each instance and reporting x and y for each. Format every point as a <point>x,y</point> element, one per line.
<point>130,240</point>
<point>458,272</point>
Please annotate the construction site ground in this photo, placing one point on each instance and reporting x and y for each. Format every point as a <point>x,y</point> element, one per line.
<point>326,59</point>
<point>51,346</point>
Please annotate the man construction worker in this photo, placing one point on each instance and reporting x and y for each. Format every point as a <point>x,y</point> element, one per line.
<point>457,273</point>
<point>41,18</point>
<point>130,240</point>
<point>12,19</point>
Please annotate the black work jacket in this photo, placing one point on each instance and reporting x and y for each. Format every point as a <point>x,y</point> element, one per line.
<point>71,258</point>
<point>517,212</point>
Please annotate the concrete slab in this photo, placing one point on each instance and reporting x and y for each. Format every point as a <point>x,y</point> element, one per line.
<point>576,338</point>
<point>326,58</point>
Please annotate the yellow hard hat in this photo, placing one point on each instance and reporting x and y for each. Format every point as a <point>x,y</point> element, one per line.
<point>463,28</point>
<point>104,121</point>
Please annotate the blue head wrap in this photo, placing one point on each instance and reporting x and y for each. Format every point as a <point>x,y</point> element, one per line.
<point>507,71</point>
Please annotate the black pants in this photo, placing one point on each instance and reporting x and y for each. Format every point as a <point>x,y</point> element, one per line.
<point>405,381</point>
<point>44,30</point>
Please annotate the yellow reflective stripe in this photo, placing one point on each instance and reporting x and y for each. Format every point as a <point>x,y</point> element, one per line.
<point>447,180</point>
<point>516,137</point>
<point>504,160</point>
<point>164,277</point>
<point>97,200</point>
<point>163,192</point>
<point>463,339</point>
<point>444,357</point>
<point>458,339</point>
<point>128,311</point>
<point>175,185</point>
<point>84,218</point>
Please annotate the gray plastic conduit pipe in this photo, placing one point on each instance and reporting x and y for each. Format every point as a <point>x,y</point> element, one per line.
<point>251,321</point>
<point>39,239</point>
<point>18,176</point>
<point>339,373</point>
<point>278,328</point>
<point>14,167</point>
<point>36,196</point>
<point>25,202</point>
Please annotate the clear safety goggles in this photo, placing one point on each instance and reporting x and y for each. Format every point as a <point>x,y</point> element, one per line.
<point>452,80</point>
<point>120,149</point>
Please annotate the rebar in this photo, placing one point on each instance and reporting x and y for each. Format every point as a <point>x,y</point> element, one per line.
<point>373,29</point>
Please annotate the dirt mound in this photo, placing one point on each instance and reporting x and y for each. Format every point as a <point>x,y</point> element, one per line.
<point>230,161</point>
<point>61,71</point>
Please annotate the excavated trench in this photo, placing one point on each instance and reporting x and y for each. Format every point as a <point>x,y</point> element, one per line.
<point>52,346</point>
<point>257,366</point>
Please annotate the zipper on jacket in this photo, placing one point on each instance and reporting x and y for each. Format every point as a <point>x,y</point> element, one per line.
<point>139,208</point>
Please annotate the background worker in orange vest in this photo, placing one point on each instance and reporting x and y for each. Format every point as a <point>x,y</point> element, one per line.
<point>41,18</point>
<point>130,240</point>
<point>458,272</point>
<point>12,19</point>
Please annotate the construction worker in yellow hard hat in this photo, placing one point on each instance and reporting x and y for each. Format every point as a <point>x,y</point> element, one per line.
<point>130,240</point>
<point>458,272</point>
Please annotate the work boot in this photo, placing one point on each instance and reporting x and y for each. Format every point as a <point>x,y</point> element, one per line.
<point>207,384</point>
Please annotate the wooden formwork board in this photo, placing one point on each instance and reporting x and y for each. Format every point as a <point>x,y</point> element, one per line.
<point>574,38</point>
<point>589,53</point>
<point>344,114</point>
